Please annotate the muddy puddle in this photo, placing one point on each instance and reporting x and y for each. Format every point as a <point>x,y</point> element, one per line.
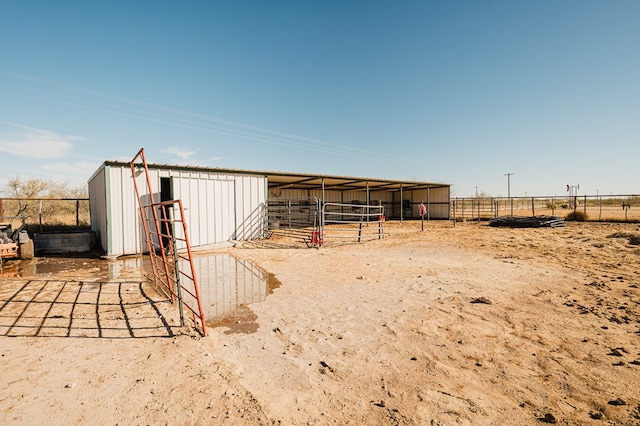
<point>78,269</point>
<point>227,285</point>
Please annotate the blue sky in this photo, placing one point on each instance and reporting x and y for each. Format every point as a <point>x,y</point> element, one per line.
<point>460,92</point>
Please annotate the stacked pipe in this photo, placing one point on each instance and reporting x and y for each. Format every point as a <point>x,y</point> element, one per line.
<point>528,222</point>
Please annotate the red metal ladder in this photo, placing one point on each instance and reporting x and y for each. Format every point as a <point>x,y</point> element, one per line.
<point>167,241</point>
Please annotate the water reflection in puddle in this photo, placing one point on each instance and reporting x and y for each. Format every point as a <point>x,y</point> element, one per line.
<point>227,284</point>
<point>78,269</point>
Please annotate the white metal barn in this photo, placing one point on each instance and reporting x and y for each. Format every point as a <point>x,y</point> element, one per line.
<point>219,205</point>
<point>223,204</point>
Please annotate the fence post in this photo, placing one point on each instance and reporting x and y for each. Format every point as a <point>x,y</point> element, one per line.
<point>428,205</point>
<point>77,213</point>
<point>454,213</point>
<point>600,203</point>
<point>585,205</point>
<point>533,206</point>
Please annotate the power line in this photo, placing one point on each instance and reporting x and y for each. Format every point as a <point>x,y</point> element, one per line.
<point>193,121</point>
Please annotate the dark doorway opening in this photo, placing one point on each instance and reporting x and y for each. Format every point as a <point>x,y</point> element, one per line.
<point>166,211</point>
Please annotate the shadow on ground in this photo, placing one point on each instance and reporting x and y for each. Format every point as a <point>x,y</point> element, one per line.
<point>68,308</point>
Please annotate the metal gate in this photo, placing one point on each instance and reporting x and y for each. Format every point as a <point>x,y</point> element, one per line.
<point>318,223</point>
<point>167,241</point>
<point>295,217</point>
<point>351,222</point>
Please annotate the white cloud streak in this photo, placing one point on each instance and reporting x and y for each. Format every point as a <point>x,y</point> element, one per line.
<point>187,157</point>
<point>182,154</point>
<point>74,172</point>
<point>35,143</point>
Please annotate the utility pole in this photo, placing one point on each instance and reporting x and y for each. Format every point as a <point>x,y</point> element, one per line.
<point>508,175</point>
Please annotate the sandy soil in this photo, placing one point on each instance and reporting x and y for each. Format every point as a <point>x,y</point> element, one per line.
<point>454,325</point>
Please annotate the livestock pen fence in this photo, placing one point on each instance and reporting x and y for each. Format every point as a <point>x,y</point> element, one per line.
<point>351,222</point>
<point>294,217</point>
<point>319,223</point>
<point>606,208</point>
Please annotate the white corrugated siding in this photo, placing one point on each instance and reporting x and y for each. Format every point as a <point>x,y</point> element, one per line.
<point>250,206</point>
<point>122,225</point>
<point>217,207</point>
<point>98,206</point>
<point>106,217</point>
<point>208,201</point>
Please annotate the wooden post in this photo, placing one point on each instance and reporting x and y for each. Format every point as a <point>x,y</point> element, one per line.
<point>533,206</point>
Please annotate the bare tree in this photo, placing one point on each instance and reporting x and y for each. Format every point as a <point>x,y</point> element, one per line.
<point>27,192</point>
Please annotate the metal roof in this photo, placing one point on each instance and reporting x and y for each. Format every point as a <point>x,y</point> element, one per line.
<point>309,181</point>
<point>343,183</point>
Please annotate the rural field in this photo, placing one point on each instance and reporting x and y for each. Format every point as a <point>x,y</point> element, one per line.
<point>470,325</point>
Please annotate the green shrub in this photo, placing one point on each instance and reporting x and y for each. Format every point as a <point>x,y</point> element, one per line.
<point>577,216</point>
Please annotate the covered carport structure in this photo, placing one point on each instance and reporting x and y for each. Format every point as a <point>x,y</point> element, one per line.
<point>400,199</point>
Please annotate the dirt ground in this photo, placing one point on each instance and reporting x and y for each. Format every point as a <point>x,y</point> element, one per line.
<point>469,325</point>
